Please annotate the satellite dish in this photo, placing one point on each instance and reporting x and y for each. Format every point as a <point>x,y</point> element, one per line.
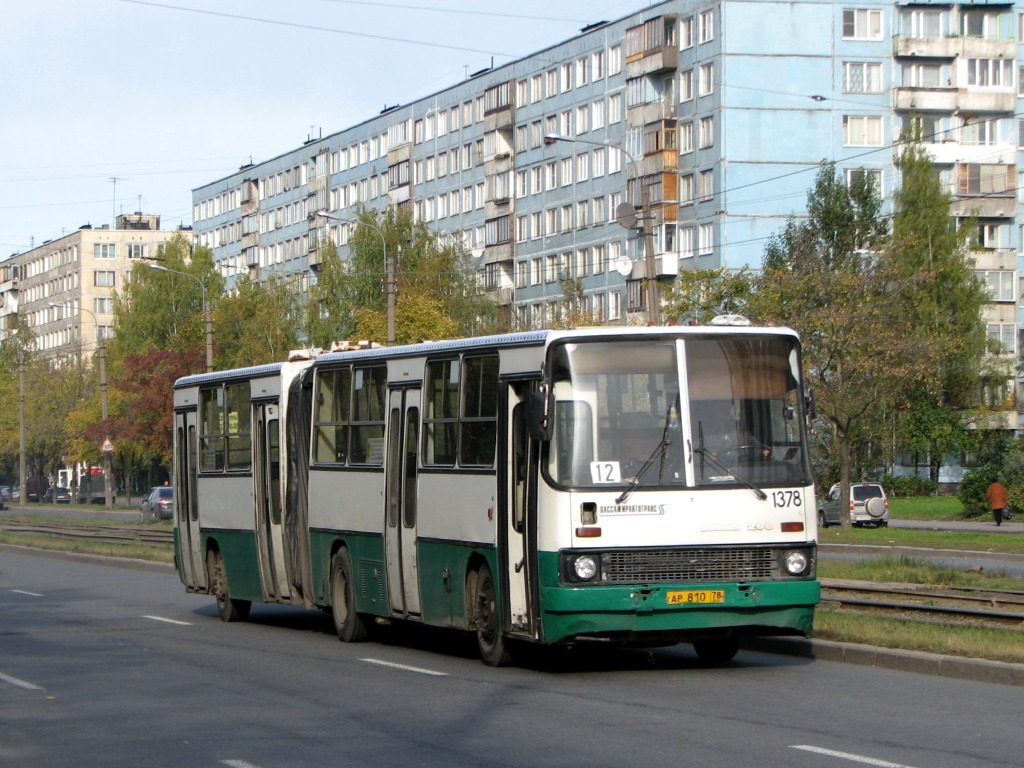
<point>625,215</point>
<point>624,266</point>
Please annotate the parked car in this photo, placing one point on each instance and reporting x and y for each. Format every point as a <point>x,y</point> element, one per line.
<point>868,506</point>
<point>159,503</point>
<point>36,486</point>
<point>57,495</point>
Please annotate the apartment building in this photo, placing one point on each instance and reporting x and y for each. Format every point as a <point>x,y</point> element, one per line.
<point>700,124</point>
<point>64,288</point>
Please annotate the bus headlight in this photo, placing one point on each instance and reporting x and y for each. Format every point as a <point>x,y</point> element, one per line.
<point>796,562</point>
<point>585,567</point>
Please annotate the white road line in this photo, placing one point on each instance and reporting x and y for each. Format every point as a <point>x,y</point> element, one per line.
<point>407,668</point>
<point>238,764</point>
<point>26,592</point>
<point>20,683</point>
<point>169,621</point>
<point>849,756</point>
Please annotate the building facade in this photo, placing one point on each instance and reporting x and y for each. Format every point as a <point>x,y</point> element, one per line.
<point>701,124</point>
<point>64,289</point>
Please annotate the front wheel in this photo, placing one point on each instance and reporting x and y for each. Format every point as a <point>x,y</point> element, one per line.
<point>484,618</point>
<point>349,625</point>
<point>716,650</point>
<point>229,609</point>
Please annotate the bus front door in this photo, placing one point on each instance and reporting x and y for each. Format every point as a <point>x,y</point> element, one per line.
<point>190,552</point>
<point>519,519</point>
<point>267,479</point>
<point>401,471</point>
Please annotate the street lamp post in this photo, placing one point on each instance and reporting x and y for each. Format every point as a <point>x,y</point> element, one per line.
<point>101,354</point>
<point>207,311</point>
<point>646,222</point>
<point>389,272</point>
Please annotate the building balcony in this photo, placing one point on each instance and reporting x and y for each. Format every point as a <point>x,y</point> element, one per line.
<point>951,99</point>
<point>659,59</point>
<point>953,47</point>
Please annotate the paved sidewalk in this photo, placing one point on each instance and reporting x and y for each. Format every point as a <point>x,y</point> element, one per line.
<point>1015,525</point>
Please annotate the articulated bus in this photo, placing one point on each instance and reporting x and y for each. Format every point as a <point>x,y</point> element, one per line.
<point>629,485</point>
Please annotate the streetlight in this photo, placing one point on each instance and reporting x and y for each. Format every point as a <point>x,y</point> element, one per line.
<point>101,353</point>
<point>207,312</point>
<point>389,272</point>
<point>646,220</point>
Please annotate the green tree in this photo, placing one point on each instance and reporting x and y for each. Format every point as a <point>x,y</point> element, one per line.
<point>164,309</point>
<point>699,295</point>
<point>826,277</point>
<point>256,324</point>
<point>436,287</point>
<point>942,298</point>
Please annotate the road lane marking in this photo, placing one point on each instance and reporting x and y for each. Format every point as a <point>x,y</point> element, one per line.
<point>849,756</point>
<point>20,683</point>
<point>238,764</point>
<point>406,667</point>
<point>169,621</point>
<point>26,592</point>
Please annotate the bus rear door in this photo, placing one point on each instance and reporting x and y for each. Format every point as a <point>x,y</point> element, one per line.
<point>267,478</point>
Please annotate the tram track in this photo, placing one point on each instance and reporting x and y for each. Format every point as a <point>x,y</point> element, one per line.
<point>928,603</point>
<point>91,532</point>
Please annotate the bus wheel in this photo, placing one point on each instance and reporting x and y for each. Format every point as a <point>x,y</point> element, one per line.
<point>229,609</point>
<point>716,650</point>
<point>485,619</point>
<point>347,623</point>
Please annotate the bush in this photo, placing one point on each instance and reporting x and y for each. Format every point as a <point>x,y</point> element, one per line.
<point>908,486</point>
<point>973,487</point>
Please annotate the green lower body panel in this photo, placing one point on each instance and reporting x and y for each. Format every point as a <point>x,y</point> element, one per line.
<point>366,552</point>
<point>661,611</point>
<point>241,562</point>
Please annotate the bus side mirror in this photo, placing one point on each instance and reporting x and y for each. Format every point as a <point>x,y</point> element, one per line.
<point>538,414</point>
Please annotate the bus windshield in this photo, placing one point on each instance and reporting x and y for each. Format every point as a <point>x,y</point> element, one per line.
<point>622,418</point>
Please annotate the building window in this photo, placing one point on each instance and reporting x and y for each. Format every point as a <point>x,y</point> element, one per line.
<point>104,279</point>
<point>862,77</point>
<point>686,33</point>
<point>705,79</point>
<point>862,24</point>
<point>976,179</point>
<point>706,185</point>
<point>862,131</point>
<point>1001,337</point>
<point>706,132</point>
<point>103,250</point>
<point>496,231</point>
<point>705,239</point>
<point>706,26</point>
<point>990,73</point>
<point>872,176</point>
<point>1000,284</point>
<point>137,250</point>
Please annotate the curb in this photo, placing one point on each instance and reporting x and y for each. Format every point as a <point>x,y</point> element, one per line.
<point>919,662</point>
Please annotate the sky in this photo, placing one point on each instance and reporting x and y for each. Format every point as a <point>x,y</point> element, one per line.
<point>116,106</point>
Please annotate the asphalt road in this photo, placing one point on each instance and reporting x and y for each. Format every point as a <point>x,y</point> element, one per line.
<point>111,666</point>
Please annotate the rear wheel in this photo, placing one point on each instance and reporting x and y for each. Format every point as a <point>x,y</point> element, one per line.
<point>822,522</point>
<point>347,623</point>
<point>716,650</point>
<point>229,609</point>
<point>484,618</point>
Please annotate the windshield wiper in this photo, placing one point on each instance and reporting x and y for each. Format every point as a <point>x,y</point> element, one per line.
<point>709,457</point>
<point>659,452</point>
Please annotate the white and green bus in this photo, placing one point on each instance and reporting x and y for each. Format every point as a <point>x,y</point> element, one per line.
<point>633,485</point>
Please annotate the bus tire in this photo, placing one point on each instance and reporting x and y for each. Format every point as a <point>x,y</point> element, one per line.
<point>229,609</point>
<point>349,625</point>
<point>485,619</point>
<point>716,650</point>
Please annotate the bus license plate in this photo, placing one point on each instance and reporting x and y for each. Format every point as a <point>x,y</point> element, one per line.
<point>696,597</point>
